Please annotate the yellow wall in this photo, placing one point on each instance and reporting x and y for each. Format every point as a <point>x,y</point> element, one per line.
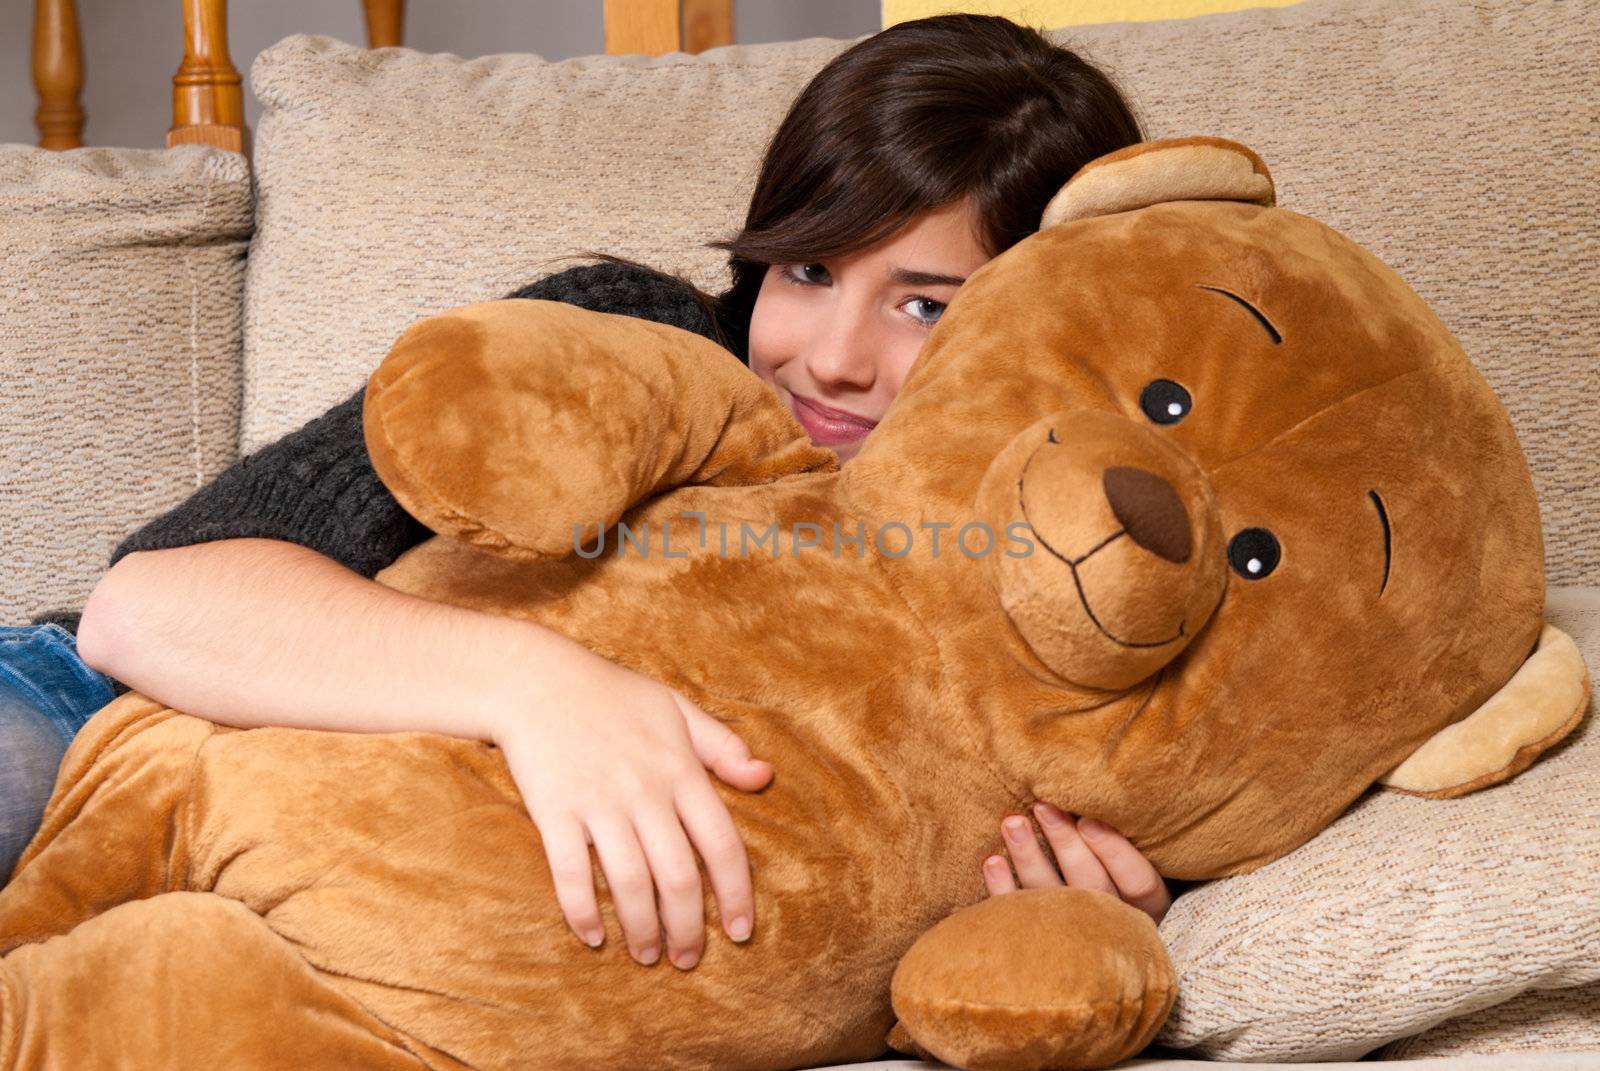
<point>1052,13</point>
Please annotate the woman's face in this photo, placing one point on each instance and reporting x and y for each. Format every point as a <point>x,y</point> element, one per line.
<point>835,337</point>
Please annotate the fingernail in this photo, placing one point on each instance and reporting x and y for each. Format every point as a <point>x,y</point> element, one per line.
<point>1048,814</point>
<point>685,959</point>
<point>994,862</point>
<point>739,928</point>
<point>594,937</point>
<point>1091,828</point>
<point>1016,828</point>
<point>649,955</point>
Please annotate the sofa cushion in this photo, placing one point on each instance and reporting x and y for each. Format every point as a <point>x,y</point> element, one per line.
<point>122,272</point>
<point>1539,1020</point>
<point>1405,912</point>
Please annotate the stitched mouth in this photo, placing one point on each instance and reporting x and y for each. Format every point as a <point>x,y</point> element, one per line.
<point>1073,563</point>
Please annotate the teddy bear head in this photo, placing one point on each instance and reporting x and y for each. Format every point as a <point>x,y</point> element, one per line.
<point>1281,530</point>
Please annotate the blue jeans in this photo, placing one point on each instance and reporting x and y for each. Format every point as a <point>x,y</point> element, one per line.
<point>46,694</point>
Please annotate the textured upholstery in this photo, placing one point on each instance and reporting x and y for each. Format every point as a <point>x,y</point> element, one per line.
<point>121,283</point>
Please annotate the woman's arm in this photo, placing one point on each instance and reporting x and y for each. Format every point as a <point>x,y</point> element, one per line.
<point>251,632</point>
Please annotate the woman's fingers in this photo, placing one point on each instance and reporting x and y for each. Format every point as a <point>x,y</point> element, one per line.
<point>711,829</point>
<point>721,751</point>
<point>997,875</point>
<point>567,852</point>
<point>1034,871</point>
<point>632,892</point>
<point>1090,855</point>
<point>1136,880</point>
<point>1079,864</point>
<point>679,893</point>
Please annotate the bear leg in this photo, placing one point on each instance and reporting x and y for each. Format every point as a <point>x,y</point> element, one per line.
<point>184,980</point>
<point>112,828</point>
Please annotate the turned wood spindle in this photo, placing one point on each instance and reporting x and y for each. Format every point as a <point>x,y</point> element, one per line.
<point>207,102</point>
<point>58,74</point>
<point>385,21</point>
<point>653,27</point>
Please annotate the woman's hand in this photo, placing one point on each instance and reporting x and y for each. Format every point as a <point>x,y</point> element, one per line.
<point>1090,854</point>
<point>606,756</point>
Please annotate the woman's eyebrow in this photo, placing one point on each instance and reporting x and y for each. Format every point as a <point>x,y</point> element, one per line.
<point>924,278</point>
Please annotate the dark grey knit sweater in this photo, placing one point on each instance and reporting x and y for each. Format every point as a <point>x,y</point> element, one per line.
<point>316,486</point>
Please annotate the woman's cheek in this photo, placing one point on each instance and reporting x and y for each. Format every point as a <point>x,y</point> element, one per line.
<point>902,354</point>
<point>774,329</point>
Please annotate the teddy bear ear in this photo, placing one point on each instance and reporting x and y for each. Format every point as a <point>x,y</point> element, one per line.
<point>1153,172</point>
<point>1541,703</point>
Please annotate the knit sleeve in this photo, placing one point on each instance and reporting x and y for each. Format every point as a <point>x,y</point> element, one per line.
<point>634,290</point>
<point>317,487</point>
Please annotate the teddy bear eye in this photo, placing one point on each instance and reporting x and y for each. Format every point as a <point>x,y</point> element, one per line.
<point>1165,402</point>
<point>1254,553</point>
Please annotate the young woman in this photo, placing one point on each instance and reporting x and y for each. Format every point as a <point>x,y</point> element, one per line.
<point>908,161</point>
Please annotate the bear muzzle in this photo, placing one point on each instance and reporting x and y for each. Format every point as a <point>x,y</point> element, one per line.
<point>1126,561</point>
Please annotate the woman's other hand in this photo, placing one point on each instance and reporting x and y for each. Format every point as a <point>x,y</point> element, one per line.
<point>606,756</point>
<point>1088,854</point>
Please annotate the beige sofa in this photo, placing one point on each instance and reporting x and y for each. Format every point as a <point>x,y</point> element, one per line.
<point>160,312</point>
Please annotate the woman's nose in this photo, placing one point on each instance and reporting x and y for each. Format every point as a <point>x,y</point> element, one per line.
<point>845,355</point>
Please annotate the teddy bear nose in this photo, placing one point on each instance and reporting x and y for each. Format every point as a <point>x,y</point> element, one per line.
<point>1149,509</point>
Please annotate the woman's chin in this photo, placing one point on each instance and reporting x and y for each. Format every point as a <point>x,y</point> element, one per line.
<point>845,450</point>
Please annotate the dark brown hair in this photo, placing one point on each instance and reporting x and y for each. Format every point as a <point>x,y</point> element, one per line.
<point>913,118</point>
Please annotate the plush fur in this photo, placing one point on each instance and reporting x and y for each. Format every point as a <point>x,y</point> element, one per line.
<point>200,896</point>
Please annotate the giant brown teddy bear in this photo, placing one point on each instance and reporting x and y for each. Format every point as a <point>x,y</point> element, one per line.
<point>1259,537</point>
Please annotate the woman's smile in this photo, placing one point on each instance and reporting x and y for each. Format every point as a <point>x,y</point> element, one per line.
<point>828,426</point>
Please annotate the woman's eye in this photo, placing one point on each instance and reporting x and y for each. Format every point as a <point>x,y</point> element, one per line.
<point>808,273</point>
<point>925,310</point>
<point>1165,402</point>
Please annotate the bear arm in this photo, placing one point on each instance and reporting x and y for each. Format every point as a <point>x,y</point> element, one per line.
<point>528,427</point>
<point>1042,978</point>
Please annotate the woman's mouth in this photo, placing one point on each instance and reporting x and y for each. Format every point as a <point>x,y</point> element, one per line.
<point>828,426</point>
